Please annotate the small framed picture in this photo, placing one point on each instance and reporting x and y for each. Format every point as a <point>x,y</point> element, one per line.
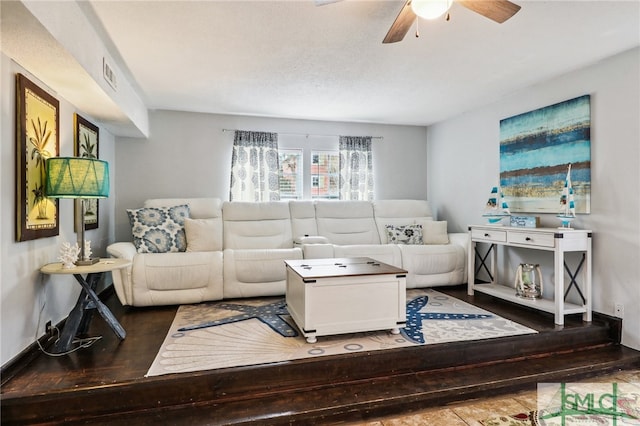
<point>86,137</point>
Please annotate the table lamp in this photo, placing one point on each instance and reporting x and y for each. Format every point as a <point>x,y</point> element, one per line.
<point>78,178</point>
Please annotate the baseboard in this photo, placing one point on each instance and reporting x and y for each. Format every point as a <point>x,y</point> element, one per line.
<point>615,325</point>
<point>31,352</point>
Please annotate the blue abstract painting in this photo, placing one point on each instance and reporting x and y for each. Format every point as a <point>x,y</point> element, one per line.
<point>536,149</point>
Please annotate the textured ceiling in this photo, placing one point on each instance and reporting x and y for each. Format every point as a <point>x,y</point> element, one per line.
<point>293,59</point>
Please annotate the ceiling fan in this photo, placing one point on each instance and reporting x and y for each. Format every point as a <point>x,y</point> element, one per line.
<point>496,10</point>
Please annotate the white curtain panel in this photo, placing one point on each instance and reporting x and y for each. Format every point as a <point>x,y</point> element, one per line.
<point>254,167</point>
<point>356,168</point>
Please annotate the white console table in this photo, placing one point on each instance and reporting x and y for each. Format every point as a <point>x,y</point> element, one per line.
<point>557,240</point>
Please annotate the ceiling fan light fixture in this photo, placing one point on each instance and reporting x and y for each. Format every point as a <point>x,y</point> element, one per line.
<point>430,9</point>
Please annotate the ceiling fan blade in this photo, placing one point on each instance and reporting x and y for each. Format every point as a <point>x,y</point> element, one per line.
<point>401,25</point>
<point>496,10</point>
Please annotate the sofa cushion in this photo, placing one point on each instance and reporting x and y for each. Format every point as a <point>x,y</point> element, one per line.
<point>404,234</point>
<point>176,278</point>
<point>303,218</point>
<point>256,272</point>
<point>159,229</point>
<point>347,222</point>
<point>202,234</point>
<point>435,232</point>
<point>248,225</point>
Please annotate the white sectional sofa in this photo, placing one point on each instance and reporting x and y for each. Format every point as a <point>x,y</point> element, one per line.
<point>237,249</point>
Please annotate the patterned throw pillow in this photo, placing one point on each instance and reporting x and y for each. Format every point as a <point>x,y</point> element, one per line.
<point>404,234</point>
<point>159,229</point>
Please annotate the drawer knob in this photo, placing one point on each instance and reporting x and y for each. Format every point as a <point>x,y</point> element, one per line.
<point>487,235</point>
<point>528,239</point>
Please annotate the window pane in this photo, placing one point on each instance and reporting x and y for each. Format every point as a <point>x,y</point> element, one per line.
<point>324,174</point>
<point>290,174</point>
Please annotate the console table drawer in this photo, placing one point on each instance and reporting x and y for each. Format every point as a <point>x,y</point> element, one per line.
<point>532,239</point>
<point>489,235</point>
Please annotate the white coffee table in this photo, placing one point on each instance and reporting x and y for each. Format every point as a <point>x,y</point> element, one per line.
<point>337,296</point>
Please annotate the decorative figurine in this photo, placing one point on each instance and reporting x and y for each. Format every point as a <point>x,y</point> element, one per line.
<point>69,255</point>
<point>528,281</point>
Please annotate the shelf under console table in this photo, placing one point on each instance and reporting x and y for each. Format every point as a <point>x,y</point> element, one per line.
<point>557,240</point>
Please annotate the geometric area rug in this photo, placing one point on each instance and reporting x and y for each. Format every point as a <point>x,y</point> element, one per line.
<point>241,332</point>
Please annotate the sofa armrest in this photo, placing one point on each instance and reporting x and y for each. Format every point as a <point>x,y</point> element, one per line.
<point>122,277</point>
<point>125,250</point>
<point>460,238</point>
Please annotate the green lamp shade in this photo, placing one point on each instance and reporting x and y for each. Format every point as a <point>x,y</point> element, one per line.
<point>76,177</point>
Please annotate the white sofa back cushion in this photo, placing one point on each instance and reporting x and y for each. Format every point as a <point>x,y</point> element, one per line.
<point>303,218</point>
<point>265,225</point>
<point>399,213</point>
<point>347,222</point>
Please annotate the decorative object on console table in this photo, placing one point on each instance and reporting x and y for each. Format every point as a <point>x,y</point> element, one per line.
<point>37,138</point>
<point>525,221</point>
<point>496,208</point>
<point>86,137</point>
<point>77,178</point>
<point>529,281</point>
<point>567,204</point>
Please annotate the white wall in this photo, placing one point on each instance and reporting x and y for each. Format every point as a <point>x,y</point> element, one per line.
<point>464,164</point>
<point>23,290</point>
<point>189,155</point>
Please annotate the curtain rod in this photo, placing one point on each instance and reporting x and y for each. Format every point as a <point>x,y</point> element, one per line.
<point>303,134</point>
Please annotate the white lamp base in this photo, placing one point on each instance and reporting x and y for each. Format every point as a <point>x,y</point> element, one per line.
<point>82,260</point>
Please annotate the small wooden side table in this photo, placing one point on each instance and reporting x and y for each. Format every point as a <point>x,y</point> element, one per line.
<point>80,316</point>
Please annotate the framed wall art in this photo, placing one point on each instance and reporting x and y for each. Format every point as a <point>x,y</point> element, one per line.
<point>86,137</point>
<point>37,138</point>
<point>536,149</point>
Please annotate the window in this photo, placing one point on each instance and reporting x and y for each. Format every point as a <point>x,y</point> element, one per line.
<point>320,182</point>
<point>290,174</point>
<point>324,174</point>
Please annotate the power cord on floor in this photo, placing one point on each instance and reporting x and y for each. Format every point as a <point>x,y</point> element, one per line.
<point>81,343</point>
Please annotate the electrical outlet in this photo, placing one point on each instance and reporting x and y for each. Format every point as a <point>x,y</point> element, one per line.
<point>48,329</point>
<point>619,310</point>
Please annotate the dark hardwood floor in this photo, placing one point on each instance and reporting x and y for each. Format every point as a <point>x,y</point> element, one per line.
<point>105,383</point>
